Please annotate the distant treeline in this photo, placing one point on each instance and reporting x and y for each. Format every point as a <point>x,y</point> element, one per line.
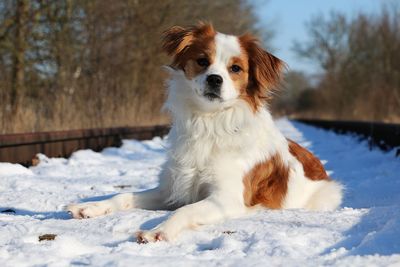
<point>360,62</point>
<point>70,64</point>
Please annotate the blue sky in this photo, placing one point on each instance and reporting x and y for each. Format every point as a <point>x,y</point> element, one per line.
<point>288,18</point>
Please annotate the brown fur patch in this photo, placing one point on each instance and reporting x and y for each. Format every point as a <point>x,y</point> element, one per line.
<point>313,168</point>
<point>264,71</point>
<point>266,184</point>
<point>186,45</point>
<point>241,79</point>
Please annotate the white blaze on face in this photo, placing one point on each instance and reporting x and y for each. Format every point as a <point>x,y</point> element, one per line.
<point>226,46</point>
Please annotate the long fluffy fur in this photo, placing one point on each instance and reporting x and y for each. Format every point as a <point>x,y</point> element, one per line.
<point>225,157</point>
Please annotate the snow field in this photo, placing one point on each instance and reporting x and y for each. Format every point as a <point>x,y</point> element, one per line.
<point>364,232</point>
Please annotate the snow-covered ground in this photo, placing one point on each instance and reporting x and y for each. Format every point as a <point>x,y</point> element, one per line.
<point>364,232</point>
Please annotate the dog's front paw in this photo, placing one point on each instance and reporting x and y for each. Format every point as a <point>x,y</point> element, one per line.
<point>88,210</point>
<point>155,235</point>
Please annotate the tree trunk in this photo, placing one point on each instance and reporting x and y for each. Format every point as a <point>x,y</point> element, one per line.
<point>18,71</point>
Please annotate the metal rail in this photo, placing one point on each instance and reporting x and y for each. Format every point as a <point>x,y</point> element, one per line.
<point>386,136</point>
<point>22,148</point>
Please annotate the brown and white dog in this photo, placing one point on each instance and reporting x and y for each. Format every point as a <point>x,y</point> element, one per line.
<point>225,155</point>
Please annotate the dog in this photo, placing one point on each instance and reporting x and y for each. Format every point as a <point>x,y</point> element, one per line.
<point>225,156</point>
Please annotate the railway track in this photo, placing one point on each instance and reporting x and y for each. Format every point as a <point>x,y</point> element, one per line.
<point>22,148</point>
<point>386,136</point>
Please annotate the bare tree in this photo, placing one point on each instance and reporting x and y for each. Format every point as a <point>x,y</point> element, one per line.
<point>360,61</point>
<point>79,64</point>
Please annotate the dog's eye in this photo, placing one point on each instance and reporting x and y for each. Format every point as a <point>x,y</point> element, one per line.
<point>203,62</point>
<point>235,68</point>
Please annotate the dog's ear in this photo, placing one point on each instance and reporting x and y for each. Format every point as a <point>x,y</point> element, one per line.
<point>176,39</point>
<point>265,69</point>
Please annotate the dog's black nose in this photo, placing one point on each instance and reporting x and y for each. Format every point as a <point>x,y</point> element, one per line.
<point>214,81</point>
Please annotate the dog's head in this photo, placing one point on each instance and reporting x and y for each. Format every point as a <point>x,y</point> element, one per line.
<point>222,69</point>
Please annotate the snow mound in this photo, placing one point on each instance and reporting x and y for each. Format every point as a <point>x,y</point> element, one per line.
<point>7,169</point>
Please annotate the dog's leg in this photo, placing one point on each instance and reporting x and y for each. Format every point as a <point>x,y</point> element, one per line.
<point>210,210</point>
<point>153,199</point>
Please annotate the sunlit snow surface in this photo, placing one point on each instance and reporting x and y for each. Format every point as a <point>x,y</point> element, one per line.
<point>364,232</point>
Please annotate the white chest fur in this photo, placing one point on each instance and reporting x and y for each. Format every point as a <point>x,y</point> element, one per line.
<point>216,150</point>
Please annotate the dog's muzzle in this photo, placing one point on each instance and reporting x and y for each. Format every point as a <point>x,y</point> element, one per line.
<point>213,88</point>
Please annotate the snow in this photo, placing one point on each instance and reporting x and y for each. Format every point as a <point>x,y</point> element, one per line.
<point>364,232</point>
